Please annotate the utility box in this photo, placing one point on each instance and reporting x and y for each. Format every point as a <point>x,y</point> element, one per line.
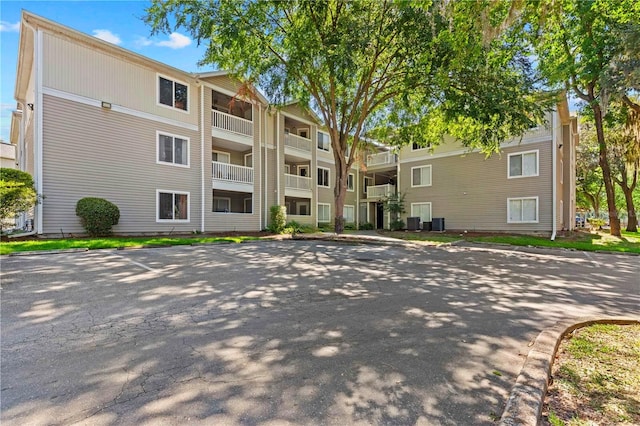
<point>413,223</point>
<point>438,224</point>
<point>427,226</point>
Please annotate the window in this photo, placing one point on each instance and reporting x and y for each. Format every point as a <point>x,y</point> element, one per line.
<point>323,141</point>
<point>173,94</point>
<point>173,150</point>
<point>522,210</point>
<point>324,212</point>
<point>367,183</point>
<point>421,210</point>
<point>349,214</point>
<point>222,204</point>
<point>415,146</point>
<point>523,164</point>
<point>303,133</point>
<point>350,182</point>
<point>287,169</point>
<point>323,177</point>
<point>421,176</point>
<point>248,205</point>
<point>221,157</point>
<point>172,206</point>
<point>248,160</point>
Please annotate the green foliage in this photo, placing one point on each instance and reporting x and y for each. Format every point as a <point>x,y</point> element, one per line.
<point>278,219</point>
<point>97,215</point>
<point>292,228</point>
<point>596,222</point>
<point>17,192</point>
<point>394,204</point>
<point>366,226</point>
<point>396,225</point>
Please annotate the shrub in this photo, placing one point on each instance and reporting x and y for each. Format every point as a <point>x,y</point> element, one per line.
<point>596,222</point>
<point>366,226</point>
<point>278,219</point>
<point>397,225</point>
<point>17,192</point>
<point>350,226</point>
<point>97,215</point>
<point>293,228</point>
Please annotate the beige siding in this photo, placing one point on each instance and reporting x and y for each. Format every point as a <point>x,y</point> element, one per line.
<point>85,71</point>
<point>224,82</point>
<point>471,191</point>
<point>115,160</point>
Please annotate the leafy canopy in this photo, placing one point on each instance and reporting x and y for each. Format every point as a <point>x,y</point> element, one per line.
<point>17,192</point>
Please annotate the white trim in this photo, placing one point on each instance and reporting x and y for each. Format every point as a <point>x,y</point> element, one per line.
<point>328,177</point>
<point>422,204</point>
<point>522,199</point>
<point>514,154</point>
<point>317,139</point>
<point>430,176</point>
<point>318,212</point>
<point>167,191</point>
<point>245,159</point>
<point>174,164</point>
<point>287,169</point>
<point>117,108</point>
<point>39,101</point>
<point>202,190</point>
<point>172,107</point>
<point>353,181</point>
<point>228,199</point>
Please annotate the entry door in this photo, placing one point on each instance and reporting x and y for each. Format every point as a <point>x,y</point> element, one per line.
<point>303,171</point>
<point>379,216</point>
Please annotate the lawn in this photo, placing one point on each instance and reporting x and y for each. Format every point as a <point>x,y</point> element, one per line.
<point>596,378</point>
<point>579,240</point>
<point>112,242</point>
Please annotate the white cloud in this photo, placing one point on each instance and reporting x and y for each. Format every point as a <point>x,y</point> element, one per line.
<point>107,36</point>
<point>9,27</point>
<point>176,41</point>
<point>142,41</point>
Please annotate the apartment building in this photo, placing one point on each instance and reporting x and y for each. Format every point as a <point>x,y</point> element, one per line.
<point>181,152</point>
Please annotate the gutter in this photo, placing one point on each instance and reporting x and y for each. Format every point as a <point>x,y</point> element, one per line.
<point>554,219</point>
<point>202,191</point>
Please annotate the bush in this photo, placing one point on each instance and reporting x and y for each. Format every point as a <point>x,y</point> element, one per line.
<point>397,225</point>
<point>325,227</point>
<point>366,226</point>
<point>350,226</point>
<point>596,222</point>
<point>97,215</point>
<point>293,228</point>
<point>278,219</point>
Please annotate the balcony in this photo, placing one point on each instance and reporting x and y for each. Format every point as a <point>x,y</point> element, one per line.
<point>229,126</point>
<point>382,159</point>
<point>375,192</point>
<point>231,177</point>
<point>297,186</point>
<point>298,143</point>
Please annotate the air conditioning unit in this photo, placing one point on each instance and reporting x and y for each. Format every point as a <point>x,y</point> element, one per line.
<point>413,223</point>
<point>438,224</point>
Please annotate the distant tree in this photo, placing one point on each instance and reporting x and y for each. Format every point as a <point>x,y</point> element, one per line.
<point>422,69</point>
<point>17,192</point>
<point>589,184</point>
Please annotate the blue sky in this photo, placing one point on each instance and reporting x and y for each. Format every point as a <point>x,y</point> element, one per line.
<point>118,22</point>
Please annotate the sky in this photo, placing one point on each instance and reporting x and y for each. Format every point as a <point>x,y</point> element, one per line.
<point>115,21</point>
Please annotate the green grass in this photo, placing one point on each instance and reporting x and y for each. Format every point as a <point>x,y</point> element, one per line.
<point>110,242</point>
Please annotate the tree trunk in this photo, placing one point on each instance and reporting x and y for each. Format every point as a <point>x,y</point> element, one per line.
<point>632,222</point>
<point>340,190</point>
<point>614,220</point>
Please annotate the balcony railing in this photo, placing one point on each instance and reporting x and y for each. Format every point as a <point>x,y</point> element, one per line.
<point>383,158</point>
<point>231,172</point>
<point>297,142</point>
<point>231,123</point>
<point>297,182</point>
<point>379,191</point>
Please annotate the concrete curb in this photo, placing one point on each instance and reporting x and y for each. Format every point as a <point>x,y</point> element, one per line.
<point>43,252</point>
<point>354,238</point>
<point>524,405</point>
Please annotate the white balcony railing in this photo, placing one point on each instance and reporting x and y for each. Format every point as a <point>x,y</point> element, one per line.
<point>380,159</point>
<point>379,191</point>
<point>231,123</point>
<point>297,182</point>
<point>297,142</point>
<point>231,172</point>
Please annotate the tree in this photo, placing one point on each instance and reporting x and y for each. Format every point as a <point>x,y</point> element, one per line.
<point>578,44</point>
<point>17,192</point>
<point>589,183</point>
<point>422,69</point>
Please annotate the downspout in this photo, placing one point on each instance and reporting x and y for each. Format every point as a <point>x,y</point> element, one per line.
<point>278,158</point>
<point>553,177</point>
<point>202,130</point>
<point>253,200</point>
<point>266,175</point>
<point>38,138</point>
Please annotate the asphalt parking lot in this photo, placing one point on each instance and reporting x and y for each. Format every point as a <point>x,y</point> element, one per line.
<point>289,332</point>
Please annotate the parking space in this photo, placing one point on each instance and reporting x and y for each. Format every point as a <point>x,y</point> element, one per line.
<point>299,332</point>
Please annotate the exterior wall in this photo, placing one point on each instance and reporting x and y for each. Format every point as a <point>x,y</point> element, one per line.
<point>7,155</point>
<point>471,191</point>
<point>116,161</point>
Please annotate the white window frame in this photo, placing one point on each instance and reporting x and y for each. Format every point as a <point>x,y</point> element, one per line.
<point>515,154</point>
<point>305,130</point>
<point>328,185</point>
<point>419,148</point>
<point>168,163</point>
<point>172,107</point>
<point>227,199</point>
<point>302,167</point>
<point>521,199</point>
<point>353,182</point>
<point>413,214</point>
<point>328,206</point>
<point>167,191</point>
<point>428,166</point>
<point>221,152</point>
<point>287,169</point>
<point>328,142</point>
<point>353,213</point>
<point>250,155</point>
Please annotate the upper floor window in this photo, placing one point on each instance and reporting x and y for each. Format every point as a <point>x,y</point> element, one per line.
<point>421,176</point>
<point>173,150</point>
<point>523,164</point>
<point>350,182</point>
<point>172,93</point>
<point>415,146</point>
<point>324,142</point>
<point>323,177</point>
